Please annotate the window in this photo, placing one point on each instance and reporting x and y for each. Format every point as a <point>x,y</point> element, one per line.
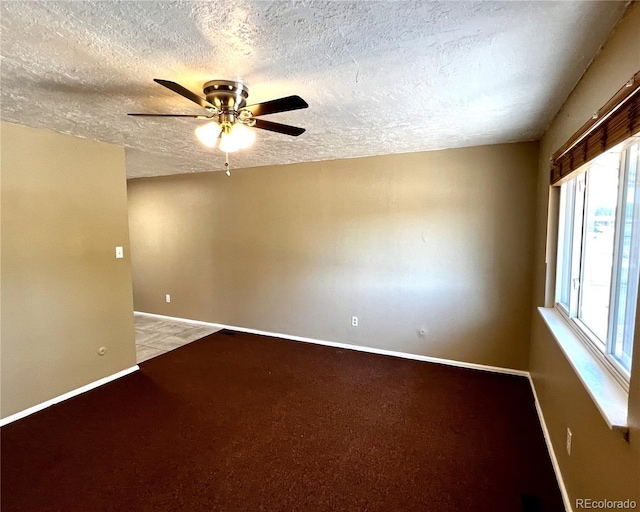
<point>598,263</point>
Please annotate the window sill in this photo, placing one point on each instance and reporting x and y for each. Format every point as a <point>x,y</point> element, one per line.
<point>609,396</point>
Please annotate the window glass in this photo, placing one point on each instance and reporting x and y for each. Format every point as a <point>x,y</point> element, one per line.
<point>563,272</point>
<point>629,268</point>
<point>598,244</point>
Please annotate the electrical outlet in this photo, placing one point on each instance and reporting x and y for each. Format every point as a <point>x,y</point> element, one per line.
<point>168,297</point>
<point>354,321</point>
<point>569,439</point>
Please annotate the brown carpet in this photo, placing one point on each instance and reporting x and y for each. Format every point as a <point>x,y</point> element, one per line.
<point>252,423</point>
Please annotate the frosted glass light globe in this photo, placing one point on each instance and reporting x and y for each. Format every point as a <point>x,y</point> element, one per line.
<point>208,133</point>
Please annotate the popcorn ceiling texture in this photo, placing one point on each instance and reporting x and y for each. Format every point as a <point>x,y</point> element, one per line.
<point>380,77</point>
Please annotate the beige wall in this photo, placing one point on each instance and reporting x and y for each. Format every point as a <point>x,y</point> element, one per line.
<point>602,464</point>
<point>440,241</point>
<point>63,293</point>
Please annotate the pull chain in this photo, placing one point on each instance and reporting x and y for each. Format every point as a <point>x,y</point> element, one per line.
<point>226,164</point>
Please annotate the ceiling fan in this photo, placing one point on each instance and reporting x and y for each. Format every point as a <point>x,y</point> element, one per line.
<point>230,117</point>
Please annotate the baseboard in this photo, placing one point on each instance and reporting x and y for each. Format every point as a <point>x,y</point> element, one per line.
<point>552,453</point>
<point>360,348</point>
<point>66,396</point>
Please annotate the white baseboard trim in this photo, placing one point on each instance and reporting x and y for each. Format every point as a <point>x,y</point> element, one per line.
<point>552,453</point>
<point>360,348</point>
<point>66,396</point>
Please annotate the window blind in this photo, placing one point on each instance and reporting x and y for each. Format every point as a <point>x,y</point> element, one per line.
<point>618,120</point>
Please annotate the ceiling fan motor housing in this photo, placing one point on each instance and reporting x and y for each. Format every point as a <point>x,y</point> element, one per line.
<point>226,95</point>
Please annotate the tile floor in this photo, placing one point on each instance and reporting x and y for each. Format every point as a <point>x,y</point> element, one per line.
<point>156,336</point>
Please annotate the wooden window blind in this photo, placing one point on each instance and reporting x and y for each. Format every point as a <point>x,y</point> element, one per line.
<point>618,120</point>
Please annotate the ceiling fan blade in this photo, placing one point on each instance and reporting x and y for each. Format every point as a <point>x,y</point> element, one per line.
<point>275,106</point>
<point>184,92</point>
<point>171,115</point>
<point>278,128</point>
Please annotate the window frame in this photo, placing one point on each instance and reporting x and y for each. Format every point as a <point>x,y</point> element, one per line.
<point>602,350</point>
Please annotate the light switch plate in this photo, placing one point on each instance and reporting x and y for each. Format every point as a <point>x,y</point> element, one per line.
<point>119,252</point>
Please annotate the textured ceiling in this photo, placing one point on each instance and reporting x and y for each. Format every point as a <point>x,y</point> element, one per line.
<point>380,77</point>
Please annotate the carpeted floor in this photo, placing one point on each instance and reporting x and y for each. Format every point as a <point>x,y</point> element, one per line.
<point>250,423</point>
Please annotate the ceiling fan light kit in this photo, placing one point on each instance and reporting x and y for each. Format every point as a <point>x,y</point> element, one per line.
<point>208,133</point>
<point>230,119</point>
